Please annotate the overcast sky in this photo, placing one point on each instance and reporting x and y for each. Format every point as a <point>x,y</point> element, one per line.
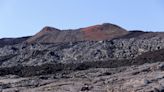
<point>27,17</point>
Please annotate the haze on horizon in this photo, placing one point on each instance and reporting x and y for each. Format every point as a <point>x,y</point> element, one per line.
<point>26,17</point>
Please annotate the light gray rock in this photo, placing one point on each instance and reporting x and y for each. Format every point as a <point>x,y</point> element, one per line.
<point>85,51</point>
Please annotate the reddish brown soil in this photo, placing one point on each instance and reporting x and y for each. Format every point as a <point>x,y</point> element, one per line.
<point>103,32</point>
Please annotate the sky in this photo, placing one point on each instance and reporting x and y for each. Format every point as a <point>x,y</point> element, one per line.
<point>26,17</point>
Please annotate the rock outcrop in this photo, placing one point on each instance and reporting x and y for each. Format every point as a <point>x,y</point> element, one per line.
<point>12,41</point>
<point>85,51</point>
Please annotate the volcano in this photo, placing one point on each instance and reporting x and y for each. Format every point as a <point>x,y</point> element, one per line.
<point>101,32</point>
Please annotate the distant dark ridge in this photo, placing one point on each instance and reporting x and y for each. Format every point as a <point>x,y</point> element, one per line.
<point>134,34</point>
<point>142,35</point>
<point>12,41</point>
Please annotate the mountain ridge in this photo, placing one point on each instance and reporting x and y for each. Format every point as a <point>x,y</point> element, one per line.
<point>93,33</point>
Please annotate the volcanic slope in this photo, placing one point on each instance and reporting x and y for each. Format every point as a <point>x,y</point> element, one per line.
<point>105,31</point>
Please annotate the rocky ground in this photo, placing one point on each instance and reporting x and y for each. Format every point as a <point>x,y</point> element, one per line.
<point>136,78</point>
<point>85,51</point>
